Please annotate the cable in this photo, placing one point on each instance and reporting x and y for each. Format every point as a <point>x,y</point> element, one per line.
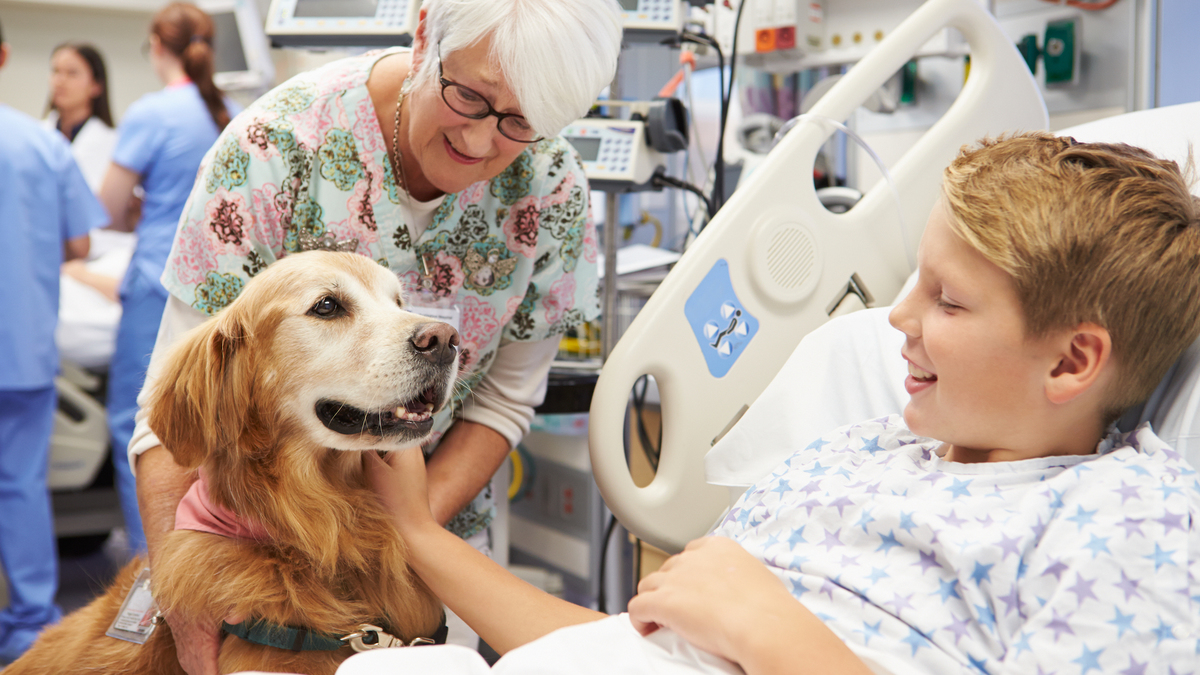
<point>719,177</point>
<point>601,599</point>
<point>887,175</point>
<point>718,183</point>
<point>688,69</point>
<point>650,449</point>
<point>661,179</point>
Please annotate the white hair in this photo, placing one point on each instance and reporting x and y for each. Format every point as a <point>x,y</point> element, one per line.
<point>556,55</point>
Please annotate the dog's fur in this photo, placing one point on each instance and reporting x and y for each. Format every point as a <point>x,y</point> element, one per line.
<point>238,398</point>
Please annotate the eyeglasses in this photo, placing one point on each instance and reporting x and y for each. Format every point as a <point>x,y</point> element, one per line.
<point>473,105</point>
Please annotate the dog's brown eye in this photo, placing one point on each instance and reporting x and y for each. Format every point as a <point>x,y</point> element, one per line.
<point>326,308</point>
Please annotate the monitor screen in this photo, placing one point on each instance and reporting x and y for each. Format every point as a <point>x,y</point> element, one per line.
<point>335,8</point>
<point>229,56</point>
<point>629,5</point>
<point>589,148</point>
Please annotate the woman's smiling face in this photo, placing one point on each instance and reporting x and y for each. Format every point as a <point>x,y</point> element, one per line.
<point>453,151</point>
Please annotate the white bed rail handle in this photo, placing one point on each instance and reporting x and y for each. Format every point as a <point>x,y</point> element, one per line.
<point>663,341</point>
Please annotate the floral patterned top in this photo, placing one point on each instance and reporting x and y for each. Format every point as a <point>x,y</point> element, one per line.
<point>306,166</point>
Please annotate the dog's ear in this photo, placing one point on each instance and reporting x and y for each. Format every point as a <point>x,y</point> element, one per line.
<point>198,404</point>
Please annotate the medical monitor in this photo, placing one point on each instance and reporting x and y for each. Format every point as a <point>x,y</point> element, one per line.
<point>385,23</point>
<point>241,53</point>
<point>342,23</point>
<point>651,20</point>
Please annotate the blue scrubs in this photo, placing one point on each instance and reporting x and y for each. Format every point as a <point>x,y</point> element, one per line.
<point>162,138</point>
<point>44,201</point>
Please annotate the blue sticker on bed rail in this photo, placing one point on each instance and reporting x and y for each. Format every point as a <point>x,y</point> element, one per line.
<point>720,323</point>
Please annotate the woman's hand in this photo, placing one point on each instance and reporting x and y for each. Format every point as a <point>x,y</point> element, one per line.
<point>197,643</point>
<point>399,480</point>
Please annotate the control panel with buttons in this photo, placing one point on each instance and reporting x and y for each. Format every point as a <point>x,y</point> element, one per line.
<point>616,156</point>
<point>349,23</point>
<point>651,20</point>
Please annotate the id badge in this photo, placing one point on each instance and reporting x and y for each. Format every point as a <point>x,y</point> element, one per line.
<point>431,305</point>
<point>139,613</point>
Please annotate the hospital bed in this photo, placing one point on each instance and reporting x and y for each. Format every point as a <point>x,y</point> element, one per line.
<point>86,507</point>
<point>774,264</point>
<point>86,337</point>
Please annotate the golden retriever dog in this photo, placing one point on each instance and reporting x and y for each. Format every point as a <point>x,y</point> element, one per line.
<point>272,402</point>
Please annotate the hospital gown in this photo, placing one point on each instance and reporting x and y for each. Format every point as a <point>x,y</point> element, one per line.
<point>1066,565</point>
<point>1069,564</point>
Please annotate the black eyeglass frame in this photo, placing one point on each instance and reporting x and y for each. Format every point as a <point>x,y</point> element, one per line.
<point>490,112</point>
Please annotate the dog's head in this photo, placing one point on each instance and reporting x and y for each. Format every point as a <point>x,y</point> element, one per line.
<point>320,346</point>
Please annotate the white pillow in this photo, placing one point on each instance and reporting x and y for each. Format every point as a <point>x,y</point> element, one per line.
<point>846,371</point>
<point>850,369</point>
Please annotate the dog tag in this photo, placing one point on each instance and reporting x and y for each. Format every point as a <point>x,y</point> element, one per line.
<point>139,613</point>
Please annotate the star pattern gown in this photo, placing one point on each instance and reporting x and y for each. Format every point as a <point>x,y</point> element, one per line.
<point>1071,564</point>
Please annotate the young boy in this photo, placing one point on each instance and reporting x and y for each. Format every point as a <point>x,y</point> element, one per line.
<point>1058,283</point>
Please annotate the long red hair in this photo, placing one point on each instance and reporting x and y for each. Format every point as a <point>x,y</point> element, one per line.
<point>187,31</point>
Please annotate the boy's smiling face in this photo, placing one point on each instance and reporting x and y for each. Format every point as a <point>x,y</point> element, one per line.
<point>973,373</point>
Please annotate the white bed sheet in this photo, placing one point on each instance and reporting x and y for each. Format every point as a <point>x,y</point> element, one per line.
<point>86,334</point>
<point>599,648</point>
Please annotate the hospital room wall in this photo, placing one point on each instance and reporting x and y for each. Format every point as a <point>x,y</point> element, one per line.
<point>33,30</point>
<point>1113,77</point>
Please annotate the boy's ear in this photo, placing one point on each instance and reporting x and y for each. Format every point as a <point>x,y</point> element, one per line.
<point>1084,356</point>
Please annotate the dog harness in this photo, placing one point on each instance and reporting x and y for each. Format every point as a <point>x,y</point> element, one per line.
<point>294,639</point>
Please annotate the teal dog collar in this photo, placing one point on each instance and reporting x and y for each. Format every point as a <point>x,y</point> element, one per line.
<point>294,639</point>
<point>284,637</point>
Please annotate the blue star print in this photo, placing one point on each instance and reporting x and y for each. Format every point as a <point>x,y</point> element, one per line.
<point>1089,660</point>
<point>1122,622</point>
<point>960,488</point>
<point>1028,567</point>
<point>1082,517</point>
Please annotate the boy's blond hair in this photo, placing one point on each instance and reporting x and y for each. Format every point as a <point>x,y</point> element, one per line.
<point>1089,232</point>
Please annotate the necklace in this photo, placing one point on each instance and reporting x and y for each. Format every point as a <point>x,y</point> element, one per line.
<point>399,165</point>
<point>426,278</point>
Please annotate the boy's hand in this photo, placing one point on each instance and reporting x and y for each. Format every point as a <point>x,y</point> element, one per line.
<point>399,480</point>
<point>712,594</point>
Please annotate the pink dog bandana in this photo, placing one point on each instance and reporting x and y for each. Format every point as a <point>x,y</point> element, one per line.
<point>197,512</point>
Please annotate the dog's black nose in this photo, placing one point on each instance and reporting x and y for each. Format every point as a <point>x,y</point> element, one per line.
<point>436,342</point>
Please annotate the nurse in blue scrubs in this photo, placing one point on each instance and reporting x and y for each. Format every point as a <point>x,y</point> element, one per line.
<point>48,210</point>
<point>161,140</point>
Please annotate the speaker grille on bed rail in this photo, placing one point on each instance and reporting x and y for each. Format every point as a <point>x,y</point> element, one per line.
<point>790,257</point>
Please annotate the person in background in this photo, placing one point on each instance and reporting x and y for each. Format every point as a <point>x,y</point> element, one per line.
<point>160,144</point>
<point>47,212</point>
<point>444,163</point>
<point>89,307</point>
<point>78,108</point>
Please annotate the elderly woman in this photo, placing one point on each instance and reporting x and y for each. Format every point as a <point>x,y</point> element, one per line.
<point>442,163</point>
